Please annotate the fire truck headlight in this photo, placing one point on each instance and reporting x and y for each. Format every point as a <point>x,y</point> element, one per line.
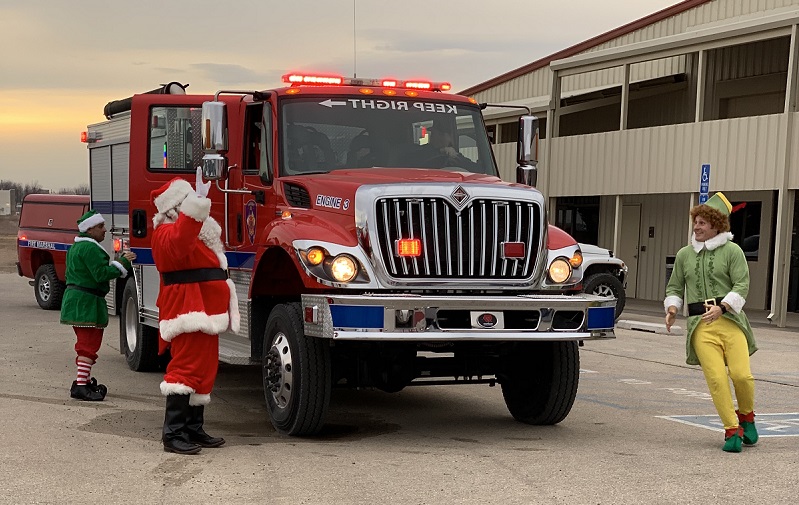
<point>343,268</point>
<point>560,270</point>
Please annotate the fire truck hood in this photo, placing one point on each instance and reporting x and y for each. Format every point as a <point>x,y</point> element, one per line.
<point>336,190</point>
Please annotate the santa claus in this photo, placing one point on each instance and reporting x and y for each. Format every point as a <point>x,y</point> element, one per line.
<point>196,302</point>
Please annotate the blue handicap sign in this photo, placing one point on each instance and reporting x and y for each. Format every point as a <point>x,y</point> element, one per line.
<point>704,183</point>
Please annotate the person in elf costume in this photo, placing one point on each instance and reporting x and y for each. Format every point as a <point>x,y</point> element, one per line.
<point>196,302</point>
<point>83,307</point>
<point>714,275</point>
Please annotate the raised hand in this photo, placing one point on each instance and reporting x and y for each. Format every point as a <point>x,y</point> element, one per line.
<point>201,187</point>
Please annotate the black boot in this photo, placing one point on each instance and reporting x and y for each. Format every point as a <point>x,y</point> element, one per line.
<point>98,387</point>
<point>86,392</point>
<point>195,429</point>
<point>175,436</point>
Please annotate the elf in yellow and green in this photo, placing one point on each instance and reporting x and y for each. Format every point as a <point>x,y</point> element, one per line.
<point>714,275</point>
<point>89,270</point>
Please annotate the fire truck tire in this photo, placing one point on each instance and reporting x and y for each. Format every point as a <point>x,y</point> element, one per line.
<point>296,373</point>
<point>47,288</point>
<point>540,380</point>
<point>139,342</point>
<point>606,284</point>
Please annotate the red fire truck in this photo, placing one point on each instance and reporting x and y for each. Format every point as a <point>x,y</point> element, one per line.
<point>370,238</point>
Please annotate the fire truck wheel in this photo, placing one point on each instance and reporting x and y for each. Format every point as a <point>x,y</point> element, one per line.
<point>606,284</point>
<point>296,373</point>
<point>540,380</point>
<point>47,288</point>
<point>139,342</point>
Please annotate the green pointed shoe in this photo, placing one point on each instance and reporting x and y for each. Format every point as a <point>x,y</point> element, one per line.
<point>747,422</point>
<point>733,438</point>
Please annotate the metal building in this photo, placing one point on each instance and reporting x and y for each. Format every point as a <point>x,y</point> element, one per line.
<point>630,117</point>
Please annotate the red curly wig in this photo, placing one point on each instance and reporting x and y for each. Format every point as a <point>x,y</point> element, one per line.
<point>717,220</point>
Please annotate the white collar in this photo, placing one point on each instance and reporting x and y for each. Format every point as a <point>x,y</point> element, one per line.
<point>713,243</point>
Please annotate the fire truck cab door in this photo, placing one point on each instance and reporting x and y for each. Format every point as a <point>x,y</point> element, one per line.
<point>257,173</point>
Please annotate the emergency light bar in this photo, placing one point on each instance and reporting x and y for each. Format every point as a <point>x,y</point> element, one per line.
<point>327,80</point>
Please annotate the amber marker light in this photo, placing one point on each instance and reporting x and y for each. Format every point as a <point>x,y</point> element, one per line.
<point>389,92</point>
<point>409,247</point>
<point>286,214</point>
<point>316,256</point>
<point>472,100</point>
<point>292,91</point>
<point>410,92</point>
<point>366,91</point>
<point>576,260</point>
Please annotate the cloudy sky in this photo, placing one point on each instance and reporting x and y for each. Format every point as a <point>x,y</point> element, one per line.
<point>63,61</point>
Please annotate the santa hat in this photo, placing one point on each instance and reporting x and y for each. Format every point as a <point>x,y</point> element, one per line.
<point>171,194</point>
<point>90,220</point>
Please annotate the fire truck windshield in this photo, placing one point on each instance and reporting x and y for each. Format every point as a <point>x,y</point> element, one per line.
<point>324,134</point>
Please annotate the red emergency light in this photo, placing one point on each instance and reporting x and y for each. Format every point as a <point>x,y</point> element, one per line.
<point>298,79</point>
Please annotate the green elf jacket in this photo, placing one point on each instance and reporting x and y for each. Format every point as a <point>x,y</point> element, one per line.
<point>88,267</point>
<point>711,269</point>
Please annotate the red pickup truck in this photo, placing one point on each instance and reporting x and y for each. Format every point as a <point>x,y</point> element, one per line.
<point>47,228</point>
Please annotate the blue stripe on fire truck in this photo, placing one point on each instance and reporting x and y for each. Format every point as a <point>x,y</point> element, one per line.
<point>601,318</point>
<point>239,260</point>
<point>357,316</point>
<point>43,244</point>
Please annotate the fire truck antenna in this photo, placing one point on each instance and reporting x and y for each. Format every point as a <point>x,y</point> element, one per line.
<point>354,45</point>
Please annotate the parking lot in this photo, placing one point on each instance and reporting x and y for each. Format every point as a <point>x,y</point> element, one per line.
<point>643,430</point>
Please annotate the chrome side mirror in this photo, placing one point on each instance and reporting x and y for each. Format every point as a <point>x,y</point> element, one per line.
<point>527,151</point>
<point>215,167</point>
<point>215,140</point>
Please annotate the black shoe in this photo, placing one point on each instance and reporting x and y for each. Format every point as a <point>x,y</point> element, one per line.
<point>98,387</point>
<point>85,392</point>
<point>179,446</point>
<point>194,427</point>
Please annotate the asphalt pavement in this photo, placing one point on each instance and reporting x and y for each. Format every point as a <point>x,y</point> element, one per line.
<point>641,432</point>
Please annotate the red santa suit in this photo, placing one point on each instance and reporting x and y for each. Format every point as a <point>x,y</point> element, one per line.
<point>196,300</point>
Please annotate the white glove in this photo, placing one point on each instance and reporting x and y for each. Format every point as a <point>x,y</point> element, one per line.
<point>201,188</point>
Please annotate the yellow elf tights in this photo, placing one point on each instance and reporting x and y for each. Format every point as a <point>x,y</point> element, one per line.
<point>717,343</point>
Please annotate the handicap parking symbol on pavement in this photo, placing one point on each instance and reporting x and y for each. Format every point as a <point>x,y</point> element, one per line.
<point>768,425</point>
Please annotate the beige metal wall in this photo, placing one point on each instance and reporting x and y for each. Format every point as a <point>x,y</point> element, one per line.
<point>539,82</point>
<point>670,234</point>
<point>744,154</point>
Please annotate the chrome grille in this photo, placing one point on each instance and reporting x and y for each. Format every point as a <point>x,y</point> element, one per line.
<point>458,244</point>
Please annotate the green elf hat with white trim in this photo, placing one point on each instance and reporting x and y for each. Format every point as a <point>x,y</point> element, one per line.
<point>720,203</point>
<point>90,220</point>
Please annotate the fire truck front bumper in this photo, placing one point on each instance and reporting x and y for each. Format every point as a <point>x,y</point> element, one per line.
<point>459,318</point>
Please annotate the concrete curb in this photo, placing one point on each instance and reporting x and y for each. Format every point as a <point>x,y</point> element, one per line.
<point>628,324</point>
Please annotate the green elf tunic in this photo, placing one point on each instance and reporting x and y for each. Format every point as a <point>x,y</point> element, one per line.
<point>711,269</point>
<point>88,267</point>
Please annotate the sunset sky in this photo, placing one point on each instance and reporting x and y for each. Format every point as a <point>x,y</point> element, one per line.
<point>63,61</point>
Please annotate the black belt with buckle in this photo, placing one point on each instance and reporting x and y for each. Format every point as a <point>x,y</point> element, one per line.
<point>698,308</point>
<point>194,275</point>
<point>95,292</point>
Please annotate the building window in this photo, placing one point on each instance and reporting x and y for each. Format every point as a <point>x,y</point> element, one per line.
<point>509,132</point>
<point>491,130</point>
<point>579,217</point>
<point>745,227</point>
